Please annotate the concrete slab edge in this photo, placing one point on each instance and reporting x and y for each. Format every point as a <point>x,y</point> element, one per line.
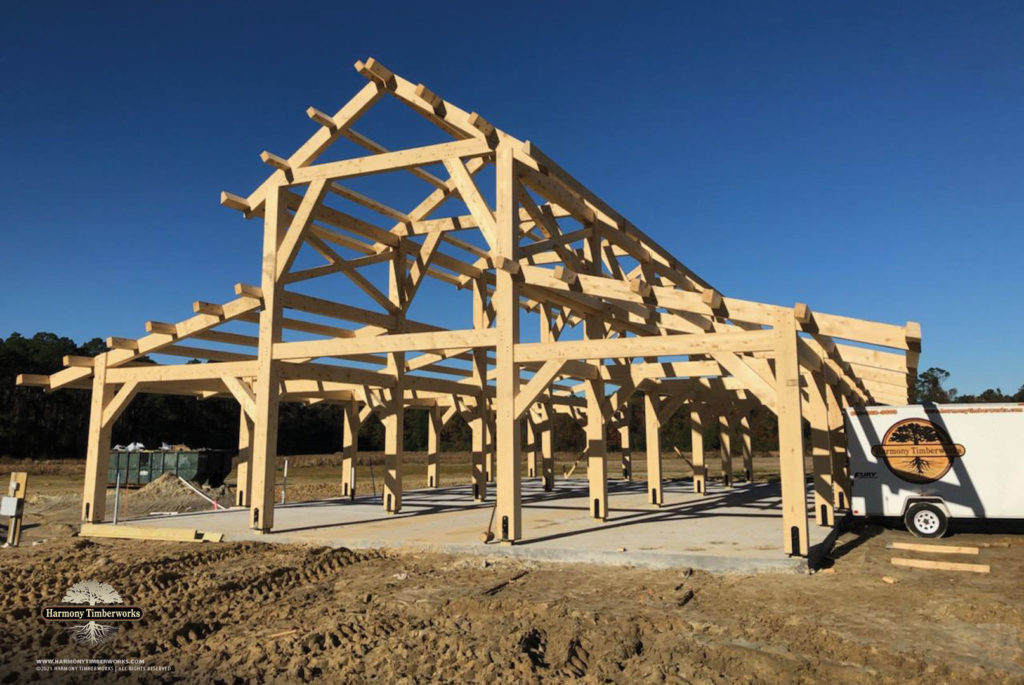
<point>639,559</point>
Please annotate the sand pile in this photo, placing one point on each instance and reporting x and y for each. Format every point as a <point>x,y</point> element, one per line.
<point>170,485</point>
<point>168,493</point>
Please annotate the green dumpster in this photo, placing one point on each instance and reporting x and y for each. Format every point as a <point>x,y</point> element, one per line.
<point>206,467</point>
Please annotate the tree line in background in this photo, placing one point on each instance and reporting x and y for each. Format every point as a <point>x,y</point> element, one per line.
<point>931,387</point>
<point>52,425</point>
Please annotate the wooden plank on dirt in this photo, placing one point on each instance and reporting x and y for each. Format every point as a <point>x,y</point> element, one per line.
<point>934,549</point>
<point>95,530</point>
<point>940,565</point>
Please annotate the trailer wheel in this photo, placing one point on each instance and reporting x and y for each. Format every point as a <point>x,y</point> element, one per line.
<point>926,520</point>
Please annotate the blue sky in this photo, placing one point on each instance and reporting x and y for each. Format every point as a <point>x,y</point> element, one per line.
<point>865,158</point>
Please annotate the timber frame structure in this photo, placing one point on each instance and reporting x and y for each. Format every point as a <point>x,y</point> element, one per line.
<point>546,246</point>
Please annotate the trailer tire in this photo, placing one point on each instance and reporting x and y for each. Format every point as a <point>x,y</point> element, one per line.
<point>925,520</point>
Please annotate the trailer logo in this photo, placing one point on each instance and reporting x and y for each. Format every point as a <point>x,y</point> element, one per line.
<point>98,604</point>
<point>918,451</point>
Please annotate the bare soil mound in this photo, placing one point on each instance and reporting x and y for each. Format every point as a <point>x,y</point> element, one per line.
<point>169,486</point>
<point>169,494</point>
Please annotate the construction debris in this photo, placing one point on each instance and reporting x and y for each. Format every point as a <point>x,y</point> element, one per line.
<point>99,530</point>
<point>500,586</point>
<point>933,549</point>
<point>940,565</point>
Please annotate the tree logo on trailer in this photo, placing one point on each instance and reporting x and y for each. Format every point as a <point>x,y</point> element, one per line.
<point>98,604</point>
<point>918,451</point>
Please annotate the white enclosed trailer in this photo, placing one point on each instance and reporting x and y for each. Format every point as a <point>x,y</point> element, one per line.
<point>930,463</point>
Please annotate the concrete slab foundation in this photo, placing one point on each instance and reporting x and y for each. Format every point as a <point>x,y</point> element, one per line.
<point>728,530</point>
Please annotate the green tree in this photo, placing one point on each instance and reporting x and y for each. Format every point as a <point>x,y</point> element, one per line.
<point>931,387</point>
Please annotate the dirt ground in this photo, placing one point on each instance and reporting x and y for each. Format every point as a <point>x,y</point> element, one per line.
<point>254,613</point>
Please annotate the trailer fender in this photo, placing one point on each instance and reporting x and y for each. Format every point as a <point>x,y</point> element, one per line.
<point>937,501</point>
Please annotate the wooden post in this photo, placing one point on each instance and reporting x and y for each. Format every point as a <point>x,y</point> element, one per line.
<point>725,449</point>
<point>655,495</point>
<point>17,489</point>
<point>394,448</point>
<point>244,480</point>
<point>597,449</point>
<point>791,442</point>
<point>746,440</point>
<point>508,507</point>
<point>349,448</point>
<point>700,471</point>
<point>597,405</point>
<point>267,384</point>
<point>531,447</point>
<point>478,438</point>
<point>821,452</point>
<point>394,419</point>
<point>840,465</point>
<point>97,454</point>
<point>244,483</point>
<point>433,446</point>
<point>547,454</point>
<point>490,432</point>
<point>478,423</point>
<point>627,455</point>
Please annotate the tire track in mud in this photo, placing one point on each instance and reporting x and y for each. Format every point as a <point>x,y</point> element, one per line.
<point>576,661</point>
<point>176,597</point>
<point>534,644</point>
<point>189,597</point>
<point>324,564</point>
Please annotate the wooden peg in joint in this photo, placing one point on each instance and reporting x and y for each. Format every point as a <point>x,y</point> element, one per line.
<point>270,159</point>
<point>161,327</point>
<point>712,298</point>
<point>321,118</point>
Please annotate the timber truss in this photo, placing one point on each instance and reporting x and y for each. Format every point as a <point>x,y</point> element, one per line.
<point>538,246</point>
